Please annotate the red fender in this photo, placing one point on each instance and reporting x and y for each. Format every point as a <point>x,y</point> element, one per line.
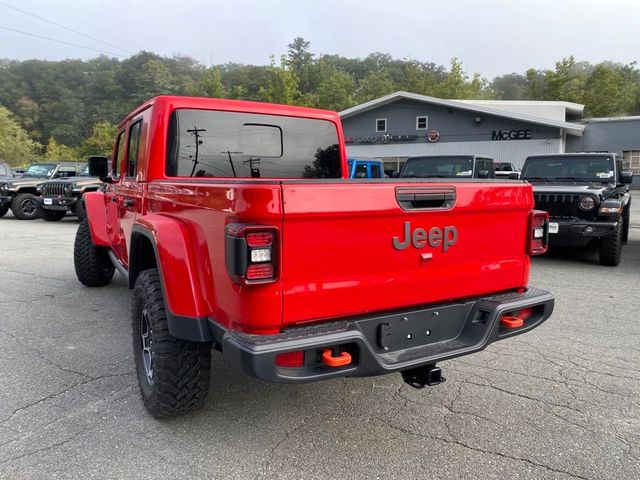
<point>176,261</point>
<point>97,217</point>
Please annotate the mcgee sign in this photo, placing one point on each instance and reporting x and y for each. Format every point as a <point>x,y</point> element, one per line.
<point>511,135</point>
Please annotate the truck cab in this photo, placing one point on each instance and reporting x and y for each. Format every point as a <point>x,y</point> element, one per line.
<point>365,168</point>
<point>448,166</point>
<point>19,194</point>
<point>238,228</point>
<point>587,197</point>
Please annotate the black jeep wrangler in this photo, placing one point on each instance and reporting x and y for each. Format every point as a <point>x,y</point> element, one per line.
<point>65,194</point>
<point>587,197</point>
<point>19,193</point>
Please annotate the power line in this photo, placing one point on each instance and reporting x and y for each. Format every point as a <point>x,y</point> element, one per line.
<point>59,41</point>
<point>64,27</point>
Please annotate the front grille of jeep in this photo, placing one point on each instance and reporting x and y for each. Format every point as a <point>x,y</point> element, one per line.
<point>54,188</point>
<point>562,205</point>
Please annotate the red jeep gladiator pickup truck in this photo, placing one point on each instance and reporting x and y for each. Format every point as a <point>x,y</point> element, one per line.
<point>238,229</point>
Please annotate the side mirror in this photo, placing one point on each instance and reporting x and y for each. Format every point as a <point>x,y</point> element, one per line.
<point>514,176</point>
<point>626,177</point>
<point>483,173</point>
<point>99,167</point>
<point>395,174</point>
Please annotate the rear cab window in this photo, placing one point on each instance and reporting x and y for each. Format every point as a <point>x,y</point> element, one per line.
<point>438,167</point>
<point>211,143</point>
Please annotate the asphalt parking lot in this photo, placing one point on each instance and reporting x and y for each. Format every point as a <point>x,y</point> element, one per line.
<point>560,402</point>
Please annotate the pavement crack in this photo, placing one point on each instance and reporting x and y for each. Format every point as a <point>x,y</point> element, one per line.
<point>454,441</point>
<point>62,392</point>
<point>50,447</point>
<point>42,355</point>
<point>277,445</point>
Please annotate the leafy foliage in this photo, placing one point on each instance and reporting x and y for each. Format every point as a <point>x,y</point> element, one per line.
<point>15,145</point>
<point>75,103</point>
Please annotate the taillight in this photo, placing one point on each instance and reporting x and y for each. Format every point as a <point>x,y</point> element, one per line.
<point>250,253</point>
<point>539,232</point>
<point>290,359</point>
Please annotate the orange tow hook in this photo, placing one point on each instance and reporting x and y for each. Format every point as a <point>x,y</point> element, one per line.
<point>517,320</point>
<point>329,360</point>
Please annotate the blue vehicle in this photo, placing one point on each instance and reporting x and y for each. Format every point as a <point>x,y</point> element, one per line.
<point>365,168</point>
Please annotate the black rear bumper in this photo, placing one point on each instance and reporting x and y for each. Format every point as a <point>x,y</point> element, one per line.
<point>386,343</point>
<point>5,200</point>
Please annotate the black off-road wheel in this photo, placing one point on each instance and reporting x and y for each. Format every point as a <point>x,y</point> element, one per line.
<point>4,210</point>
<point>51,215</point>
<point>92,263</point>
<point>611,248</point>
<point>24,206</point>
<point>173,374</point>
<point>81,211</point>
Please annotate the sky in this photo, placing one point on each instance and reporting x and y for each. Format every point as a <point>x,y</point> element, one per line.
<point>490,37</point>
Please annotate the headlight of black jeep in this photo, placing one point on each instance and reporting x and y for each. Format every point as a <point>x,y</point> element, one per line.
<point>68,189</point>
<point>587,203</point>
<point>4,187</point>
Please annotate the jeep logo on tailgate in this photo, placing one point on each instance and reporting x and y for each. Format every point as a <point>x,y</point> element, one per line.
<point>436,237</point>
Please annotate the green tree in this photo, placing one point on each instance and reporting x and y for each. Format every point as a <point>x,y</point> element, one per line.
<point>607,92</point>
<point>16,148</point>
<point>511,86</point>
<point>300,60</point>
<point>100,142</point>
<point>567,81</point>
<point>374,85</point>
<point>282,84</point>
<point>335,91</point>
<point>210,85</point>
<point>59,151</point>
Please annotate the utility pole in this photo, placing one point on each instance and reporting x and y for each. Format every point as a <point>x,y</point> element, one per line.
<point>233,169</point>
<point>255,171</point>
<point>195,131</point>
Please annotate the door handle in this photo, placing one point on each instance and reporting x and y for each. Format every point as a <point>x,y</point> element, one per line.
<point>426,198</point>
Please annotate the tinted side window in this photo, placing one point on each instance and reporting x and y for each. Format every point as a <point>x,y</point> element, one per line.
<point>133,150</point>
<point>375,171</point>
<point>117,160</point>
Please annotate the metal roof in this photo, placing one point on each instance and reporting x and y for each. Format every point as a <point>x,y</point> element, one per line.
<point>572,108</point>
<point>611,119</point>
<point>570,128</point>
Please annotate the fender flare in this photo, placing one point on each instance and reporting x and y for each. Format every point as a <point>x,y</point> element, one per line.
<point>97,217</point>
<point>174,257</point>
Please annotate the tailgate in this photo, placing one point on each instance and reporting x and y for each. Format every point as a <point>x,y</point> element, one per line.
<point>340,257</point>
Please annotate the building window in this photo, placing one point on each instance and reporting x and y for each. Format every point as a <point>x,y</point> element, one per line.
<point>631,161</point>
<point>381,124</point>
<point>422,122</point>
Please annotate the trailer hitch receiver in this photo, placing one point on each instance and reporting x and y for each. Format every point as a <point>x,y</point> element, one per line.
<point>420,377</point>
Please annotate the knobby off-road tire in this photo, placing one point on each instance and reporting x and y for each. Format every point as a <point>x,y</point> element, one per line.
<point>4,210</point>
<point>50,215</point>
<point>611,248</point>
<point>173,374</point>
<point>81,211</point>
<point>93,266</point>
<point>24,206</point>
<point>626,214</point>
